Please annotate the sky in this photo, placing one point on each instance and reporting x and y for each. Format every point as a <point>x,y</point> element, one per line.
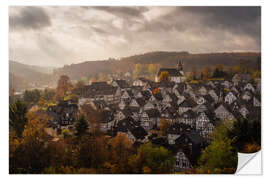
<point>60,35</point>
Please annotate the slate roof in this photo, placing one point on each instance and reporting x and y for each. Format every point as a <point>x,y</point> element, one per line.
<point>126,124</point>
<point>98,88</point>
<point>208,99</point>
<point>188,103</point>
<point>172,71</point>
<point>193,136</point>
<point>178,128</point>
<point>152,113</point>
<point>138,132</point>
<point>140,101</point>
<point>146,94</point>
<point>122,84</point>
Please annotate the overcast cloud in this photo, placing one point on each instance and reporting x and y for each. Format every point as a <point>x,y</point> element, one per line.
<point>54,36</point>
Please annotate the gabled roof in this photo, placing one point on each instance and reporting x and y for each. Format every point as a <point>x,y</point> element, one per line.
<point>140,101</point>
<point>187,103</point>
<point>98,88</point>
<point>171,71</point>
<point>193,136</point>
<point>152,113</point>
<point>178,128</point>
<point>126,124</point>
<point>122,84</point>
<point>127,112</point>
<point>209,99</point>
<point>146,94</point>
<point>138,132</point>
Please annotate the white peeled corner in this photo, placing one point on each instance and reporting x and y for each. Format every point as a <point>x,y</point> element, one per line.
<point>249,164</point>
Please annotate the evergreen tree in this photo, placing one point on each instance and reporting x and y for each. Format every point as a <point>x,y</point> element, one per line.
<point>81,126</point>
<point>17,117</point>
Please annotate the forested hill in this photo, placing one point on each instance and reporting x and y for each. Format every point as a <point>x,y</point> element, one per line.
<point>165,59</point>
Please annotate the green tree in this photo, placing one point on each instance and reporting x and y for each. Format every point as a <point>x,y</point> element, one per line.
<point>220,154</point>
<point>31,96</point>
<point>17,117</point>
<point>48,94</point>
<point>245,132</point>
<point>81,126</point>
<point>150,159</point>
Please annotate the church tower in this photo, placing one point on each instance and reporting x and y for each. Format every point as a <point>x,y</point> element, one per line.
<point>180,67</point>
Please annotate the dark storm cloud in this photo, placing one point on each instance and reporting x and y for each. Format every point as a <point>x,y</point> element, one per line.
<point>239,19</point>
<point>29,18</point>
<point>123,12</point>
<point>90,33</point>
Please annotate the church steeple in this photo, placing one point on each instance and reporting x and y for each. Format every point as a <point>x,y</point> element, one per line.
<point>180,65</point>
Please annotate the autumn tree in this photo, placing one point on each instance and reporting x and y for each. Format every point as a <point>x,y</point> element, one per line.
<point>164,76</point>
<point>60,153</point>
<point>191,75</point>
<point>120,148</point>
<point>139,69</point>
<point>31,155</point>
<point>220,154</point>
<point>91,152</point>
<point>64,87</point>
<point>150,159</point>
<point>17,117</point>
<point>153,69</point>
<point>206,73</point>
<point>93,118</point>
<point>164,126</point>
<point>156,91</point>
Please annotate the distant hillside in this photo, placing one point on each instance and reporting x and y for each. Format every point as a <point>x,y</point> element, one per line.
<point>166,59</point>
<point>29,75</point>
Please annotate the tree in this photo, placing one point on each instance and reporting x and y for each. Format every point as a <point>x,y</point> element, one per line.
<point>81,126</point>
<point>150,159</point>
<point>48,94</point>
<point>31,96</point>
<point>164,126</point>
<point>120,148</point>
<point>156,91</point>
<point>64,87</point>
<point>93,118</point>
<point>206,73</point>
<point>245,133</point>
<point>164,76</point>
<point>220,154</point>
<point>91,152</point>
<point>31,154</point>
<point>153,68</point>
<point>17,117</point>
<point>191,75</point>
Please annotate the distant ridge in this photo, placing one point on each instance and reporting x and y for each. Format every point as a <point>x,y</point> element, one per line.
<point>166,59</point>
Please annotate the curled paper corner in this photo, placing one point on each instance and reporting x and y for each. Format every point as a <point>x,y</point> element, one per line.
<point>249,164</point>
